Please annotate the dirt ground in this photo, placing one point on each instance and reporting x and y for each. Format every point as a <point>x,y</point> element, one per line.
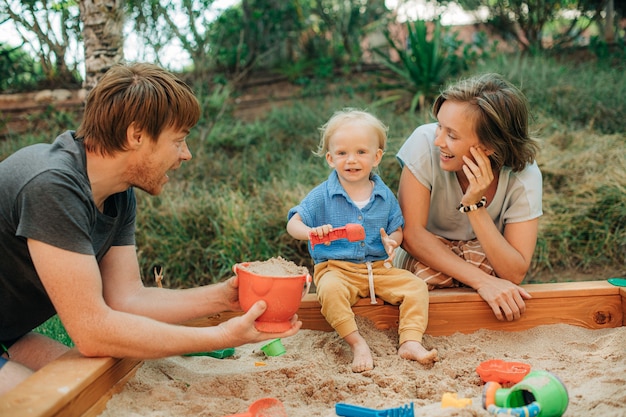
<point>22,112</point>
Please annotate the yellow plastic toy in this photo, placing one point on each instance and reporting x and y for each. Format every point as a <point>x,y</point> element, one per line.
<point>449,399</point>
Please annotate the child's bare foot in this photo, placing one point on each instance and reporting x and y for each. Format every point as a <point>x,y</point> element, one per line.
<point>361,355</point>
<point>414,351</point>
<point>362,358</point>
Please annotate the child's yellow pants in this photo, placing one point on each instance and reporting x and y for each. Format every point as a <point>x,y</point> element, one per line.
<point>340,284</point>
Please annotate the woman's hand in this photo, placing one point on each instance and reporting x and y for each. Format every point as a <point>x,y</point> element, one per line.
<point>505,298</point>
<point>479,174</point>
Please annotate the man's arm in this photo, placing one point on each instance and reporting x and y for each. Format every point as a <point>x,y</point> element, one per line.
<point>75,286</point>
<point>123,290</point>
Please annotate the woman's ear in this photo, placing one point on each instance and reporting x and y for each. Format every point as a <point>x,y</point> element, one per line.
<point>486,150</point>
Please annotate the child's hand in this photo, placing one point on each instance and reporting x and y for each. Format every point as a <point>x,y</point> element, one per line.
<point>390,247</point>
<point>321,231</point>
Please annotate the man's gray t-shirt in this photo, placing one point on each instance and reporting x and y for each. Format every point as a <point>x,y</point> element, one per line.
<point>45,195</point>
<point>517,198</point>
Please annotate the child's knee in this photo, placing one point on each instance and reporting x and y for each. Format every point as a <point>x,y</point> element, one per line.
<point>330,282</point>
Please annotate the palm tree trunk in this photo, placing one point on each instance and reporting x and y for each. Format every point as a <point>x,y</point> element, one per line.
<point>609,27</point>
<point>103,37</point>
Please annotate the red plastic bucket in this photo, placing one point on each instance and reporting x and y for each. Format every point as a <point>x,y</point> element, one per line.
<point>282,294</point>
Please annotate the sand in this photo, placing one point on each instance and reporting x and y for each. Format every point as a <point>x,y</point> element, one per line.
<point>275,267</point>
<point>314,374</point>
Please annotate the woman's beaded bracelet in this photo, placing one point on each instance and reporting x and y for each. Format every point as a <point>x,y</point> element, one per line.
<point>472,207</point>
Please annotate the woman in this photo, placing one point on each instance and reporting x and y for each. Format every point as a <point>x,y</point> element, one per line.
<point>470,191</point>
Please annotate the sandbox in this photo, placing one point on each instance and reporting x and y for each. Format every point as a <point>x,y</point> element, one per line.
<point>74,385</point>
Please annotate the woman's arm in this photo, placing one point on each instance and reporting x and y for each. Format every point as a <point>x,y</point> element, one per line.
<point>421,244</point>
<point>510,254</point>
<point>504,297</point>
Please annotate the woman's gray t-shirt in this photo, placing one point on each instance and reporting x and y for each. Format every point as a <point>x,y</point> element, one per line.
<point>517,198</point>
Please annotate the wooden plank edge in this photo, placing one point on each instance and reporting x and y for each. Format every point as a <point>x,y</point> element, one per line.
<point>622,292</point>
<point>592,312</point>
<point>591,304</point>
<point>68,386</point>
<point>547,290</point>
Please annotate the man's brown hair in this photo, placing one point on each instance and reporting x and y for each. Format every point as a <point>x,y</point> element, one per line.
<point>145,94</point>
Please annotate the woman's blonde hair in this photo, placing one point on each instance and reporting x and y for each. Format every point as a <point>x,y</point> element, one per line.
<point>349,115</point>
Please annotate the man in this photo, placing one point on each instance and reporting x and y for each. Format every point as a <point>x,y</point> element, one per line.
<point>67,223</point>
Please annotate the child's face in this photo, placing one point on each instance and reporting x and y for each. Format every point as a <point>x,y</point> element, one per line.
<point>353,151</point>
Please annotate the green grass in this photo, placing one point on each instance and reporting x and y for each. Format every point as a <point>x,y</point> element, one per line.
<point>229,203</point>
<point>54,329</point>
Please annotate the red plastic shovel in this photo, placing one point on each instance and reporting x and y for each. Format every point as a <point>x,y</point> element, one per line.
<point>351,231</point>
<point>265,407</point>
<point>496,370</point>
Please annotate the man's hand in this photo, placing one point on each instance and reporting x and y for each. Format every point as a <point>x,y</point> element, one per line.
<point>230,288</point>
<point>241,330</point>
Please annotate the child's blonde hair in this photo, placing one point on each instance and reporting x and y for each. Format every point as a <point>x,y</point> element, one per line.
<point>349,115</point>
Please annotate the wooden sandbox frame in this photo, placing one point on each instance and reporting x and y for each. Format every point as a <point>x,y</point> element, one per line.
<point>77,386</point>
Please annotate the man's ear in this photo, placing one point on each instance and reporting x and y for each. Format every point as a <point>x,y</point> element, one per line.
<point>134,136</point>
